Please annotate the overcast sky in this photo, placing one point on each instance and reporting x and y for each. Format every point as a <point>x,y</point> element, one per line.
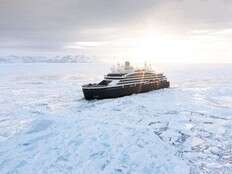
<point>180,30</point>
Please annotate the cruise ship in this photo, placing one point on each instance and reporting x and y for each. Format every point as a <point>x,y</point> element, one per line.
<point>125,80</point>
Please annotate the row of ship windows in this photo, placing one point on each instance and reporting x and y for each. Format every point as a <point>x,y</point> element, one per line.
<point>142,81</point>
<point>151,77</point>
<point>136,77</point>
<point>133,83</point>
<point>141,74</point>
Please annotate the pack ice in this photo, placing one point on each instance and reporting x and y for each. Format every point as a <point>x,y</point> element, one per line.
<point>47,127</point>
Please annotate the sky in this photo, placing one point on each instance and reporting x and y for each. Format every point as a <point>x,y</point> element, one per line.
<point>152,30</point>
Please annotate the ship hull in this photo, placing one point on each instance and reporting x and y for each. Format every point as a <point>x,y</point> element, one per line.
<point>120,91</point>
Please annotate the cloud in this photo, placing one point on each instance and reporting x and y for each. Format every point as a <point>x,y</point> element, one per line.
<point>58,25</point>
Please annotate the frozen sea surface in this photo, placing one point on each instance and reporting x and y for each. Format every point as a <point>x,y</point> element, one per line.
<point>47,127</point>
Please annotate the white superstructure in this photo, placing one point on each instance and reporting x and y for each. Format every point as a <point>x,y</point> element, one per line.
<point>128,75</point>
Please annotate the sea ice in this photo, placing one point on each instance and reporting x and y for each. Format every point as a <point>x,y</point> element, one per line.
<point>47,127</point>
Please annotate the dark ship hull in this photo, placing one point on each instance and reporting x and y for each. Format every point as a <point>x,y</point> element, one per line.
<point>121,90</point>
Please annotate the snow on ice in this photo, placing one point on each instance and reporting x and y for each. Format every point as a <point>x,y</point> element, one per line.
<point>47,127</point>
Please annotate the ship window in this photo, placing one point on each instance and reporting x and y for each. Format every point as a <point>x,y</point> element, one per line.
<point>104,82</point>
<point>115,74</point>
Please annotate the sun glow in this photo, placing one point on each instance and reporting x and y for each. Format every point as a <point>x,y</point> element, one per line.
<point>156,47</point>
<point>152,46</point>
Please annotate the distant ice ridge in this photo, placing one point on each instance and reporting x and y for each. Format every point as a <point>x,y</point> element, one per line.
<point>46,59</point>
